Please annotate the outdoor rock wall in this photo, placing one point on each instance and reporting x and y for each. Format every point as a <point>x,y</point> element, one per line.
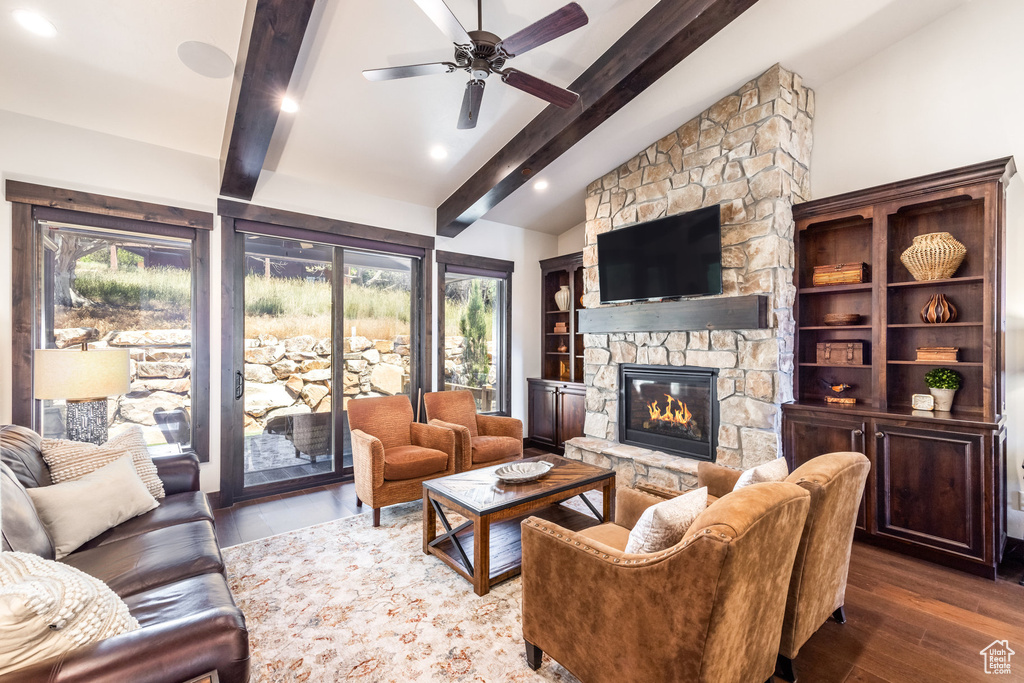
<point>293,376</point>
<point>749,153</point>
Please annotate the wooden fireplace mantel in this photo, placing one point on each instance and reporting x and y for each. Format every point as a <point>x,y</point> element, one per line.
<point>710,313</point>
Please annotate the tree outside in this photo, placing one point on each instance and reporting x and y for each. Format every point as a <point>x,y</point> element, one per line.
<point>473,326</point>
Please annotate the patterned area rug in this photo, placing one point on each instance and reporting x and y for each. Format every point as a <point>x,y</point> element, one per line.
<point>344,601</point>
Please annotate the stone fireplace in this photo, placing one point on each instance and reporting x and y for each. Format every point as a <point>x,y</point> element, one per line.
<point>670,409</point>
<point>749,153</point>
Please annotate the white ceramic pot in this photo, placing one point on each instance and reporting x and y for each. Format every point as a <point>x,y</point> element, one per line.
<point>943,398</point>
<point>562,298</point>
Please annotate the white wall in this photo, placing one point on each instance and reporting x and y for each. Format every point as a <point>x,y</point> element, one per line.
<point>44,152</point>
<point>573,239</point>
<point>946,96</point>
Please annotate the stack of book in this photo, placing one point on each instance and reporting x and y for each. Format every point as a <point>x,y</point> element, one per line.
<point>561,328</point>
<point>937,354</point>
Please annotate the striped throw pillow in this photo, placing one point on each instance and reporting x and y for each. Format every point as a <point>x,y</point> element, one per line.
<point>69,460</point>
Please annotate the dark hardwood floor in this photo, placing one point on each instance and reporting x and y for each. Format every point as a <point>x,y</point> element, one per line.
<point>907,620</point>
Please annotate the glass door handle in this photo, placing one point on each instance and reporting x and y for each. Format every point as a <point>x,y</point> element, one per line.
<point>239,390</point>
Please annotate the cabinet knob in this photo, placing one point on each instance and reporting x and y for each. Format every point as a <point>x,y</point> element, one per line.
<point>858,432</point>
<point>879,435</point>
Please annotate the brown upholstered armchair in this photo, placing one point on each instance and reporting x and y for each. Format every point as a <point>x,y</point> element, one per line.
<point>392,455</point>
<point>480,440</point>
<point>818,586</point>
<point>604,614</point>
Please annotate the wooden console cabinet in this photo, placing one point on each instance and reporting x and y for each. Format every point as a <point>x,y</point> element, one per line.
<point>937,487</point>
<point>557,400</point>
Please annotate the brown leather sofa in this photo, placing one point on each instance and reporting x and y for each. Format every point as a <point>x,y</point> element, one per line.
<point>480,440</point>
<point>707,610</point>
<point>392,455</point>
<point>817,589</point>
<point>166,564</point>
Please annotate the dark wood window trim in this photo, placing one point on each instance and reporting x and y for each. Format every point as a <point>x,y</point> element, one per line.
<point>30,202</point>
<point>237,219</point>
<point>466,264</point>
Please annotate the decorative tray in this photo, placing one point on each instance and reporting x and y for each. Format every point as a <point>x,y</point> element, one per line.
<point>521,472</point>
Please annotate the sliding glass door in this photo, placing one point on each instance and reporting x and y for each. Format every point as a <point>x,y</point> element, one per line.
<point>321,324</point>
<point>288,403</point>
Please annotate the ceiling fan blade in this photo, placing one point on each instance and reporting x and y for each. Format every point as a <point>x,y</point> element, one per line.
<point>392,72</point>
<point>558,23</point>
<point>471,104</point>
<point>560,97</point>
<point>444,20</point>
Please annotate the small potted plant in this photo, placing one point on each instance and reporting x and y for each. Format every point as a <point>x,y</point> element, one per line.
<point>943,383</point>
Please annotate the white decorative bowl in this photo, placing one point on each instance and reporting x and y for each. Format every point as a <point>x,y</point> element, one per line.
<point>521,472</point>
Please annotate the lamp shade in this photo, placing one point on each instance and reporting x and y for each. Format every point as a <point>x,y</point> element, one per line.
<point>77,375</point>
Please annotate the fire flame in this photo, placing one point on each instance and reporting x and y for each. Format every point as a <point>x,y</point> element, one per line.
<point>680,415</point>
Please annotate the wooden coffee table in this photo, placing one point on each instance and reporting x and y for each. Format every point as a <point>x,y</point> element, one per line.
<point>494,511</point>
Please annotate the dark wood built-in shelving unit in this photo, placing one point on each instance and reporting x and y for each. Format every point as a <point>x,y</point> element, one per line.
<point>557,399</point>
<point>937,486</point>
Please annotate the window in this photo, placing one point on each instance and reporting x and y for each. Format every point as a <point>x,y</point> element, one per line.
<point>126,290</point>
<point>474,351</point>
<point>115,274</point>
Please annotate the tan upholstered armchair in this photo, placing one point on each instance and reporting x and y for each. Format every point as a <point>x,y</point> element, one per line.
<point>392,455</point>
<point>708,609</point>
<point>480,440</point>
<point>818,586</point>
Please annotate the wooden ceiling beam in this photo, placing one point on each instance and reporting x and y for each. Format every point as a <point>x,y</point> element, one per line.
<point>667,34</point>
<point>278,28</point>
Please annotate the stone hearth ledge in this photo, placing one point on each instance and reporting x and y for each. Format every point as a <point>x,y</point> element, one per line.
<point>635,465</point>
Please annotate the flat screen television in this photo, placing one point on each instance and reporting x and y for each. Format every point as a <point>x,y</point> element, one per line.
<point>670,257</point>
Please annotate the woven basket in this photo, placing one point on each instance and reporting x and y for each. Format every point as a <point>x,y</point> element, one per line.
<point>934,256</point>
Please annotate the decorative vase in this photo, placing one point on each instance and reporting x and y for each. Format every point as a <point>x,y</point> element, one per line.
<point>938,310</point>
<point>943,398</point>
<point>562,298</point>
<point>563,348</point>
<point>934,256</point>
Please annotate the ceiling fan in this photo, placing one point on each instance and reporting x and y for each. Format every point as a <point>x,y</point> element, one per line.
<point>481,53</point>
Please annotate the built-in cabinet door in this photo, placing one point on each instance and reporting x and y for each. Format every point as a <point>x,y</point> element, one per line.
<point>572,412</point>
<point>931,487</point>
<point>808,435</point>
<point>543,402</point>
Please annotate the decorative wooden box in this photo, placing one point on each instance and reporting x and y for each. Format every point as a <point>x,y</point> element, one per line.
<point>840,274</point>
<point>841,353</point>
<point>938,354</point>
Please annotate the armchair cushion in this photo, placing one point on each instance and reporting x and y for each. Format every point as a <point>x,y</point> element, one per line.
<point>387,418</point>
<point>498,425</point>
<point>491,448</point>
<point>663,525</point>
<point>412,462</point>
<point>611,535</point>
<point>452,406</point>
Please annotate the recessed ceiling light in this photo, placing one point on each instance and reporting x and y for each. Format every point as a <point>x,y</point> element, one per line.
<point>540,185</point>
<point>438,152</point>
<point>34,22</point>
<point>205,59</point>
<point>289,106</point>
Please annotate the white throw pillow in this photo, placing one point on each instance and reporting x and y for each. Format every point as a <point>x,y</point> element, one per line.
<point>776,470</point>
<point>664,524</point>
<point>78,511</point>
<point>69,460</point>
<point>48,608</point>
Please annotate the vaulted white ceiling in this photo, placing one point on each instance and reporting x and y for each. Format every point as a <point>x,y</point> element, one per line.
<point>113,67</point>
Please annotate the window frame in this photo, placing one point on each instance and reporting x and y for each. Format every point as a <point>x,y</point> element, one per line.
<point>482,266</point>
<point>32,203</point>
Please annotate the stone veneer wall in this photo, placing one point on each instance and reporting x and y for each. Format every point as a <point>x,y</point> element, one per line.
<point>750,153</point>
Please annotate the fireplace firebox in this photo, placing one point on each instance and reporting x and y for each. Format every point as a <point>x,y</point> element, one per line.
<point>673,409</point>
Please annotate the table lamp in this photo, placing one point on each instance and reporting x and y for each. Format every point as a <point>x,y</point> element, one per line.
<point>84,379</point>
